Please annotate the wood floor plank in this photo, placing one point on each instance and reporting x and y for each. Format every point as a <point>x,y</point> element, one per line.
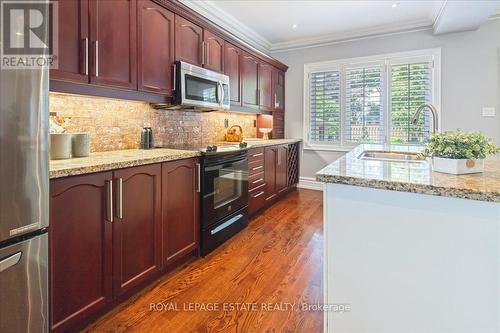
<point>277,260</point>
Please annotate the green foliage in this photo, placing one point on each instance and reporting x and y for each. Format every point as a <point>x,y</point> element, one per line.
<point>460,145</point>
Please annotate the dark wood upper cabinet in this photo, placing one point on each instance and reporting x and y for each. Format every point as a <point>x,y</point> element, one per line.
<point>180,205</point>
<point>80,248</point>
<point>113,43</point>
<point>279,90</point>
<point>214,52</point>
<point>265,86</point>
<point>137,226</point>
<point>250,74</point>
<point>155,47</point>
<point>232,68</point>
<point>188,41</point>
<point>73,37</point>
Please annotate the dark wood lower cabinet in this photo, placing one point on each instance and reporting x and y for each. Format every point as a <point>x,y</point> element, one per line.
<point>137,226</point>
<point>180,204</point>
<point>80,248</point>
<point>280,174</point>
<point>109,232</point>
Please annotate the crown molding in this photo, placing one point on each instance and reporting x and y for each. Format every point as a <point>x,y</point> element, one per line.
<point>228,22</point>
<point>382,30</point>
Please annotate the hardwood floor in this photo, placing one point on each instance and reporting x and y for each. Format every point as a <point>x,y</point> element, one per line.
<point>277,260</point>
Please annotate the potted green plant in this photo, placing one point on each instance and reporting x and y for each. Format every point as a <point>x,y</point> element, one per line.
<point>459,152</point>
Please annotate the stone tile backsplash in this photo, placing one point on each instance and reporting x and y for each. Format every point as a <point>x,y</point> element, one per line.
<point>116,124</point>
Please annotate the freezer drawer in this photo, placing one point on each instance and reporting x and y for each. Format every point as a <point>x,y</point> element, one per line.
<point>23,283</point>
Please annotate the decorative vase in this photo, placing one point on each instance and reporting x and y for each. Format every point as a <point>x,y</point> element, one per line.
<point>81,145</point>
<point>457,166</point>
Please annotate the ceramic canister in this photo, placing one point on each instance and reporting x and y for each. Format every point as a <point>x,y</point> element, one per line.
<point>81,144</point>
<point>60,146</point>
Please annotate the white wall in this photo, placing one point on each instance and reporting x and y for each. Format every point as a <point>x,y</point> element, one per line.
<point>470,79</point>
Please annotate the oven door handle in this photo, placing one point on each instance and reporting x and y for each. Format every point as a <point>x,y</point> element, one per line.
<point>226,161</point>
<point>226,224</point>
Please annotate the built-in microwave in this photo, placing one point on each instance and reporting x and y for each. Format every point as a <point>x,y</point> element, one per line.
<point>200,88</point>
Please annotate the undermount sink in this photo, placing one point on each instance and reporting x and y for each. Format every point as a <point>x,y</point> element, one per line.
<point>382,155</point>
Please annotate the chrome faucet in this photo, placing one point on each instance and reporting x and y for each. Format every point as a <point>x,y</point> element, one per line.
<point>434,113</point>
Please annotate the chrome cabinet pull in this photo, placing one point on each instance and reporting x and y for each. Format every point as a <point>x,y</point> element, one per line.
<point>257,155</point>
<point>86,56</point>
<point>207,53</point>
<point>96,58</point>
<point>257,181</point>
<point>174,74</point>
<point>198,171</point>
<point>203,53</point>
<point>258,194</point>
<point>109,211</point>
<point>120,198</point>
<point>257,168</point>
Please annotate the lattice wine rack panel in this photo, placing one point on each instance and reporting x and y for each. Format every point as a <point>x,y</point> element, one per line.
<point>293,164</point>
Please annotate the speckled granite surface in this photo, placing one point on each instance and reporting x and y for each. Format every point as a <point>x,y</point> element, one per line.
<point>105,161</point>
<point>254,143</point>
<point>412,177</point>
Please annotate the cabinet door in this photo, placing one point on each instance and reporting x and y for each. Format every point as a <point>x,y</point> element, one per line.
<point>73,36</point>
<point>188,40</point>
<point>80,248</point>
<point>232,68</point>
<point>281,168</point>
<point>250,70</point>
<point>279,90</point>
<point>155,51</point>
<point>270,159</point>
<point>278,125</point>
<point>137,226</point>
<point>265,86</point>
<point>214,52</point>
<point>180,205</point>
<point>113,34</point>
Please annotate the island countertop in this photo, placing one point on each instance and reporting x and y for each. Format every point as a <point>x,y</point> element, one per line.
<point>411,176</point>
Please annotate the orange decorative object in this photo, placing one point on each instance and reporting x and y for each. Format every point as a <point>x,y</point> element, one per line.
<point>234,134</point>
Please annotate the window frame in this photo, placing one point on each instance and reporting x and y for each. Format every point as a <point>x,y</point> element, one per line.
<point>387,61</point>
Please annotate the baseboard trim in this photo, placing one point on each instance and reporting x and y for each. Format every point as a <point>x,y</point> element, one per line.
<point>310,184</point>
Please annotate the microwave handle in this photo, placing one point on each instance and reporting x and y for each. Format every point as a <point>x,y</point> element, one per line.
<point>220,92</point>
<point>174,75</point>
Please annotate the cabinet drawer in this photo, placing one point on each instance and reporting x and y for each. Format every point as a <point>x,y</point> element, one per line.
<point>255,167</point>
<point>256,199</point>
<point>255,154</point>
<point>255,180</point>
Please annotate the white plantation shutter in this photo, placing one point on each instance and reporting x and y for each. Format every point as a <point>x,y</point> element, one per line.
<point>364,105</point>
<point>324,107</point>
<point>411,86</point>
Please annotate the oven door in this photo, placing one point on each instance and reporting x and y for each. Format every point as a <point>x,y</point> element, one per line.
<point>225,186</point>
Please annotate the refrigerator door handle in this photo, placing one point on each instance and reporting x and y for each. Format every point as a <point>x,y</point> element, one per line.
<point>10,261</point>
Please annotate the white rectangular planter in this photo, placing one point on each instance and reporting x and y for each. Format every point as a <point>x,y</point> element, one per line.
<point>457,166</point>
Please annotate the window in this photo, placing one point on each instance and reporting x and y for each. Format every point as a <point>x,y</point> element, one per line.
<point>370,100</point>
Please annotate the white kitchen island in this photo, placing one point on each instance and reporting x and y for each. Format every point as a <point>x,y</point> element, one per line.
<point>409,250</point>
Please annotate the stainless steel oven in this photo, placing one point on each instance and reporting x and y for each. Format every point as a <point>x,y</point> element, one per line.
<point>201,88</point>
<point>224,198</point>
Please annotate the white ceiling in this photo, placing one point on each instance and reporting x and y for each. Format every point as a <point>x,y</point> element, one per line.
<point>268,25</point>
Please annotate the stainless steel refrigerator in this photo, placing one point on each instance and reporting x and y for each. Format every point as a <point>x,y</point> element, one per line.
<point>24,200</point>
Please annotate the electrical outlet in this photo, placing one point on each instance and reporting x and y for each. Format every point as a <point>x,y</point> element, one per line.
<point>488,112</point>
<point>226,123</point>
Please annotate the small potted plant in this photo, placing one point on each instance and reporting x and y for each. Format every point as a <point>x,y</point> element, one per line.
<point>459,152</point>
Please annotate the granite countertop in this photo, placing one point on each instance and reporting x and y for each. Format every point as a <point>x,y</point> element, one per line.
<point>412,177</point>
<point>110,160</point>
<point>255,143</point>
<point>105,161</point>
